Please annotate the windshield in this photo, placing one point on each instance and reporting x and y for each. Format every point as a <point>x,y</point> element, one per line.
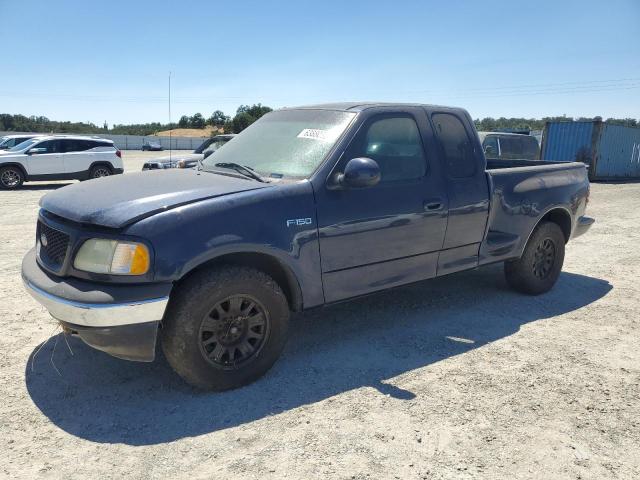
<point>24,145</point>
<point>289,143</point>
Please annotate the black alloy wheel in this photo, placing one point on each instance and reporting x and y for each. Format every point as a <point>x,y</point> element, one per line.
<point>100,171</point>
<point>544,258</point>
<point>234,331</point>
<point>10,178</point>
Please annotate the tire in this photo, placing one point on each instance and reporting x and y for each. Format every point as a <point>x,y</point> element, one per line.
<point>99,171</point>
<point>11,178</point>
<point>212,336</point>
<point>539,267</point>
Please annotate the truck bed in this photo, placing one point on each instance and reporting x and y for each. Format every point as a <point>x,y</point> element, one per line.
<point>522,192</point>
<point>500,164</point>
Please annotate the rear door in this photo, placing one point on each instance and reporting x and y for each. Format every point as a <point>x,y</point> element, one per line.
<point>48,162</point>
<point>389,234</point>
<point>468,191</point>
<point>76,156</point>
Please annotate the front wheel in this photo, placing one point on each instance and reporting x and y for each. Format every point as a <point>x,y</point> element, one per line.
<point>225,327</point>
<point>539,267</point>
<point>11,178</point>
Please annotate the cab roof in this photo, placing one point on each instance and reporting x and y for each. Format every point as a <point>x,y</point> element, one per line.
<point>359,106</point>
<point>73,137</point>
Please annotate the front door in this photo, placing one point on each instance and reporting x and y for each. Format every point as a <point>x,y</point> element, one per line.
<point>46,162</point>
<point>389,234</point>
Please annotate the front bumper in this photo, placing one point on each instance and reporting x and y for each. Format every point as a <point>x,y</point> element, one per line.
<point>121,320</point>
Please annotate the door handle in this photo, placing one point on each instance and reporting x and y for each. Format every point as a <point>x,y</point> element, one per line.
<point>432,206</point>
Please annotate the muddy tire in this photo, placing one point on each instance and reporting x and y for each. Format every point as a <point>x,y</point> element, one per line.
<point>225,327</point>
<point>539,267</point>
<point>11,178</point>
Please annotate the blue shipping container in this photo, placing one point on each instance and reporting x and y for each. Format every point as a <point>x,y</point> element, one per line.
<point>611,151</point>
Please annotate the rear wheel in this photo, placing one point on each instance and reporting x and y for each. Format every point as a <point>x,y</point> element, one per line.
<point>11,177</point>
<point>225,327</point>
<point>539,267</point>
<point>100,171</point>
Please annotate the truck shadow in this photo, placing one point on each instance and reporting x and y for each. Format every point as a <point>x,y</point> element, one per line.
<point>44,186</point>
<point>331,350</point>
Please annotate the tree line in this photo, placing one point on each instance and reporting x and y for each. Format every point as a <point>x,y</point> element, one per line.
<point>245,115</point>
<point>490,124</point>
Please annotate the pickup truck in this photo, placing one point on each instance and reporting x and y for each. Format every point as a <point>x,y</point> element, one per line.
<point>189,160</point>
<point>509,146</point>
<point>306,207</point>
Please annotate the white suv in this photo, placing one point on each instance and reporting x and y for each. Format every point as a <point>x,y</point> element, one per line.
<point>59,158</point>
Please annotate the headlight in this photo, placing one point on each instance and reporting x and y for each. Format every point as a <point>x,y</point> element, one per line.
<point>112,256</point>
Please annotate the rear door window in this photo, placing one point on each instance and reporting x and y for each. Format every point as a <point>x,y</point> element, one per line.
<point>456,145</point>
<point>69,146</point>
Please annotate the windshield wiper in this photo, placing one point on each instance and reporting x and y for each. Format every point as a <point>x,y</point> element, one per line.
<point>241,169</point>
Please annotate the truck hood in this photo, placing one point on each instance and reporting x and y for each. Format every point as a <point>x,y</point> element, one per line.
<point>120,200</point>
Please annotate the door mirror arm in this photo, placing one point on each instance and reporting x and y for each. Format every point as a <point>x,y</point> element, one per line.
<point>37,150</point>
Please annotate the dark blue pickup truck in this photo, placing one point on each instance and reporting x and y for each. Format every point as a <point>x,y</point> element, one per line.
<point>306,207</point>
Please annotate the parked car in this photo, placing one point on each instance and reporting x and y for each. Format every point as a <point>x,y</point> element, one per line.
<point>189,160</point>
<point>59,158</point>
<point>509,146</point>
<point>11,141</point>
<point>306,207</point>
<point>152,146</point>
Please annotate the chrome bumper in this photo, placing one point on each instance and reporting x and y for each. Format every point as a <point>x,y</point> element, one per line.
<point>99,314</point>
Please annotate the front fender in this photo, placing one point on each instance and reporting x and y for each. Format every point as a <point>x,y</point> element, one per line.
<point>187,237</point>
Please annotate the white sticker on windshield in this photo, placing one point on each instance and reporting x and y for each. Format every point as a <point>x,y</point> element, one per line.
<point>317,134</point>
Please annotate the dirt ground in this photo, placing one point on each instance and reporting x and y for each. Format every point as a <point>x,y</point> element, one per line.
<point>188,132</point>
<point>452,378</point>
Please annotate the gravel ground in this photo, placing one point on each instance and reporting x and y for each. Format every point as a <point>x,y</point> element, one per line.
<point>453,378</point>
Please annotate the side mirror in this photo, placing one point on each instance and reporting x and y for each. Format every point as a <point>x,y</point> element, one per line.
<point>37,150</point>
<point>359,173</point>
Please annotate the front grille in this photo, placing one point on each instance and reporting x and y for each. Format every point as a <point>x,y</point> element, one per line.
<point>55,250</point>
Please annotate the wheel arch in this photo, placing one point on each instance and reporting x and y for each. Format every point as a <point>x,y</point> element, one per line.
<point>560,216</point>
<point>266,263</point>
<point>18,166</point>
<point>97,163</point>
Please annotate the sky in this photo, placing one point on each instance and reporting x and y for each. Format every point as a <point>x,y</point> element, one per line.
<point>110,60</point>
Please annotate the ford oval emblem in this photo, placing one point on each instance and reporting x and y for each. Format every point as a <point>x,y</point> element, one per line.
<point>43,240</point>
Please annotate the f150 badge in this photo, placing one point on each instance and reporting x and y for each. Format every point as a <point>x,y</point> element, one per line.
<point>298,222</point>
